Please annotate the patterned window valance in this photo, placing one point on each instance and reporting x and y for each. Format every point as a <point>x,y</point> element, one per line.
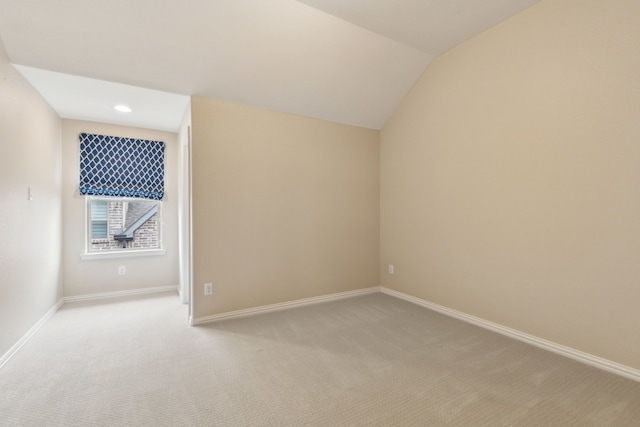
<point>121,167</point>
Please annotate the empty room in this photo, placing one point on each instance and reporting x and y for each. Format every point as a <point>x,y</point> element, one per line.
<point>320,213</point>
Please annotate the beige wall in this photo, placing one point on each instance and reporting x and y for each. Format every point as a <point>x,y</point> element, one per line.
<point>30,253</point>
<point>284,207</point>
<point>83,277</point>
<point>510,178</point>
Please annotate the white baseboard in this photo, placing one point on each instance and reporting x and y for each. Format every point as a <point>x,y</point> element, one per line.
<point>589,359</point>
<point>13,350</point>
<point>598,362</point>
<point>17,346</point>
<point>281,306</point>
<point>102,295</point>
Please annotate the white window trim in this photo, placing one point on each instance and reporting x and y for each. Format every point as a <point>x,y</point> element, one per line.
<point>110,254</point>
<point>117,253</point>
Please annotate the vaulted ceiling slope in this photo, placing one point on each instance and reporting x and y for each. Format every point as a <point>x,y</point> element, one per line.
<point>345,61</point>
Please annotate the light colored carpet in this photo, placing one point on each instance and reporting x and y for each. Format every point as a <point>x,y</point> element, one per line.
<point>371,360</point>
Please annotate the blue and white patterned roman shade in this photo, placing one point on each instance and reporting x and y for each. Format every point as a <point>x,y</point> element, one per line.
<point>121,167</point>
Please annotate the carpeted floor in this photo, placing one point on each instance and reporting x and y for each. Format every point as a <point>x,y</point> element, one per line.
<point>371,360</point>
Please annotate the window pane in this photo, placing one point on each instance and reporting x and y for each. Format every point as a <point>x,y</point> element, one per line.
<point>120,224</point>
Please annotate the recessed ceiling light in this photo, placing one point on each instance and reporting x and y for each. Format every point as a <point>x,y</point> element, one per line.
<point>123,108</point>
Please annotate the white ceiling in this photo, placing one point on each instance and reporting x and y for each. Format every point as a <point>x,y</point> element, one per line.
<point>349,61</point>
<point>83,98</point>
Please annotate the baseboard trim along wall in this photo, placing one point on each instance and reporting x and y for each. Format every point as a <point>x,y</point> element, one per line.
<point>17,346</point>
<point>281,306</point>
<point>595,361</point>
<point>102,295</point>
<point>13,350</point>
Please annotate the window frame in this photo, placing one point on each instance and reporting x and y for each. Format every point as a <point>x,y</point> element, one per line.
<point>90,253</point>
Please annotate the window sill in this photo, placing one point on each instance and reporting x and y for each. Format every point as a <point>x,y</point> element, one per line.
<point>121,254</point>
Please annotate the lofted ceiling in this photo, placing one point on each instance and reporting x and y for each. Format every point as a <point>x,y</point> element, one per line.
<point>348,61</point>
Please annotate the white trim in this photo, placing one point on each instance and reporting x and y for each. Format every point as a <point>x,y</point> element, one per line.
<point>281,306</point>
<point>589,359</point>
<point>190,284</point>
<point>110,254</point>
<point>103,295</point>
<point>17,346</point>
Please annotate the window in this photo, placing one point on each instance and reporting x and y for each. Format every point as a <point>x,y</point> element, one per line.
<point>123,181</point>
<point>122,224</point>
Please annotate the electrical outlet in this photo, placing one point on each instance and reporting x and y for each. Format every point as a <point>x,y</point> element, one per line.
<point>208,289</point>
<point>390,268</point>
<point>122,270</point>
